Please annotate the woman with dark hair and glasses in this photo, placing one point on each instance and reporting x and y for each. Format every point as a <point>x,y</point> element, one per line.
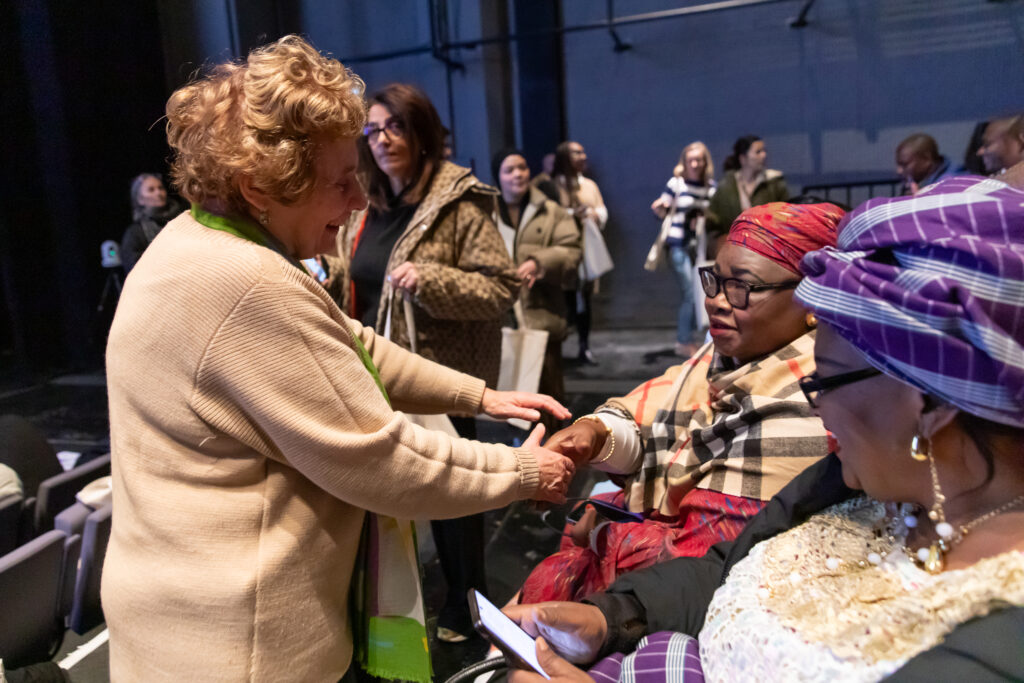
<point>426,266</point>
<point>701,449</point>
<point>901,557</point>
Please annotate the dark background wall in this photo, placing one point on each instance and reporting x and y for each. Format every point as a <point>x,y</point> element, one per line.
<point>84,88</point>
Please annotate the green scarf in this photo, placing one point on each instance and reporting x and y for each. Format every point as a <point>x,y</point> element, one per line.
<point>388,622</point>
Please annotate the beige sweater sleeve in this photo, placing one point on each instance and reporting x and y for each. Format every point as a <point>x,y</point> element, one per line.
<point>281,375</point>
<point>417,385</point>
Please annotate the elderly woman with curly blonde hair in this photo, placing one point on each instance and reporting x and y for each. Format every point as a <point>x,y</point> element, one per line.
<point>253,424</point>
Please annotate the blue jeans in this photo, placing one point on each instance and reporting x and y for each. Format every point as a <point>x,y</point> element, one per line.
<point>682,266</point>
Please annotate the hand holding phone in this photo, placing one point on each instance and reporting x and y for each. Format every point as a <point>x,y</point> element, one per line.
<point>516,644</point>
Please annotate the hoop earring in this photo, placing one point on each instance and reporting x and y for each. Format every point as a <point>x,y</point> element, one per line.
<point>919,449</point>
<point>811,320</point>
<point>263,218</point>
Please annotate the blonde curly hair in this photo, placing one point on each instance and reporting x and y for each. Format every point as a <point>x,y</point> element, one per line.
<point>259,117</point>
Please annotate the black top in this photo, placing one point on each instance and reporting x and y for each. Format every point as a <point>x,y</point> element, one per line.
<point>674,595</point>
<point>139,234</point>
<point>370,260</point>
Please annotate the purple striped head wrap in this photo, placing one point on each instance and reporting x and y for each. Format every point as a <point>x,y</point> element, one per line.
<point>930,289</point>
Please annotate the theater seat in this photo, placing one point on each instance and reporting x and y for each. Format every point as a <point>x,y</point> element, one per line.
<point>10,515</point>
<point>34,582</point>
<point>58,492</point>
<point>86,611</point>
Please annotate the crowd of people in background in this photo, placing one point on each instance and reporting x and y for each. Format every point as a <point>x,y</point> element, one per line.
<point>286,426</point>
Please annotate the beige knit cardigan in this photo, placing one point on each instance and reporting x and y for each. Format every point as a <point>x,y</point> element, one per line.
<point>248,439</point>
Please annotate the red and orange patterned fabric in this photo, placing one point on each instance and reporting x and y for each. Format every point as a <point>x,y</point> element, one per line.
<point>573,573</point>
<point>783,232</point>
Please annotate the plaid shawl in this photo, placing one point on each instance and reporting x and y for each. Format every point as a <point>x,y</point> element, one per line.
<point>930,289</point>
<point>743,431</point>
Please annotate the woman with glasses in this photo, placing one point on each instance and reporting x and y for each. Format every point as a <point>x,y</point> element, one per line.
<point>426,265</point>
<point>701,449</point>
<point>901,557</point>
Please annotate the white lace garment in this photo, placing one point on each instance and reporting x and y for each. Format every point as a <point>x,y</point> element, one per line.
<point>784,615</point>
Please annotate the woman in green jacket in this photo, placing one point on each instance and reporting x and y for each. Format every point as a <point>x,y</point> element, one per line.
<point>746,183</point>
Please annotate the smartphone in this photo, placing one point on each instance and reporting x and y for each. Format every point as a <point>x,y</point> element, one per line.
<point>517,645</point>
<point>606,510</point>
<point>315,269</point>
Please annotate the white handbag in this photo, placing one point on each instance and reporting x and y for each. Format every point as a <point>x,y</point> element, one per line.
<point>522,359</point>
<point>437,423</point>
<point>656,254</point>
<point>596,259</point>
<point>700,259</point>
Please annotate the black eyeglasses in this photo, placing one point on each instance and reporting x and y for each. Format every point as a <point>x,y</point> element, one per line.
<point>814,385</point>
<point>737,292</point>
<point>393,127</point>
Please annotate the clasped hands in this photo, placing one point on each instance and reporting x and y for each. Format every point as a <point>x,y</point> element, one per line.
<point>573,630</point>
<point>564,451</point>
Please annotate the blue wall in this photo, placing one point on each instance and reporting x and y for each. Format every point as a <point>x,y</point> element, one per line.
<point>831,100</point>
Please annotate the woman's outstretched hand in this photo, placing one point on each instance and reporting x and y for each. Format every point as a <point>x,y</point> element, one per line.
<point>502,405</point>
<point>556,470</point>
<point>574,630</point>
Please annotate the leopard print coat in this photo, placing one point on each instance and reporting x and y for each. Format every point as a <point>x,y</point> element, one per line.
<point>467,281</point>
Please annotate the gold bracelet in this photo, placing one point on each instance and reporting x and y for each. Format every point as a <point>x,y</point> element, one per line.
<point>609,436</point>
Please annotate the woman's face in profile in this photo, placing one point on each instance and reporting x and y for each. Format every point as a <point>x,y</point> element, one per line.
<point>755,157</point>
<point>771,318</point>
<point>310,226</point>
<point>389,145</point>
<point>578,156</point>
<point>152,193</point>
<point>873,421</point>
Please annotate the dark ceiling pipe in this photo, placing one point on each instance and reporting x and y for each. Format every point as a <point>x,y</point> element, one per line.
<point>801,19</point>
<point>607,25</point>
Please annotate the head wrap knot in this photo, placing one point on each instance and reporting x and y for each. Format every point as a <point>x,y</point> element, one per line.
<point>785,232</point>
<point>930,289</point>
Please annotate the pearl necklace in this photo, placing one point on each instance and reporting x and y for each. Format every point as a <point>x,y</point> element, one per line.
<point>933,558</point>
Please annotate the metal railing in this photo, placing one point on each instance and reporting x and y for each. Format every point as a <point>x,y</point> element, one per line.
<point>856,192</point>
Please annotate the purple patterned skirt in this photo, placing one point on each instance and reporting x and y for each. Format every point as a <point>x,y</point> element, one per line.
<point>662,657</point>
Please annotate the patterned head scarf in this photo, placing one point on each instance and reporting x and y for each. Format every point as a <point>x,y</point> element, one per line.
<point>930,289</point>
<point>785,232</point>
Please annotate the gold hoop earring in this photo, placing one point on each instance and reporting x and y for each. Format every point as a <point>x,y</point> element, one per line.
<point>919,448</point>
<point>811,320</point>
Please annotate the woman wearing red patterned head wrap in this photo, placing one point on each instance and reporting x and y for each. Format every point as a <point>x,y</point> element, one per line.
<point>783,232</point>
<point>703,447</point>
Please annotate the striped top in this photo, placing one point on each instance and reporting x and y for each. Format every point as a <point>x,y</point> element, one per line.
<point>683,197</point>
